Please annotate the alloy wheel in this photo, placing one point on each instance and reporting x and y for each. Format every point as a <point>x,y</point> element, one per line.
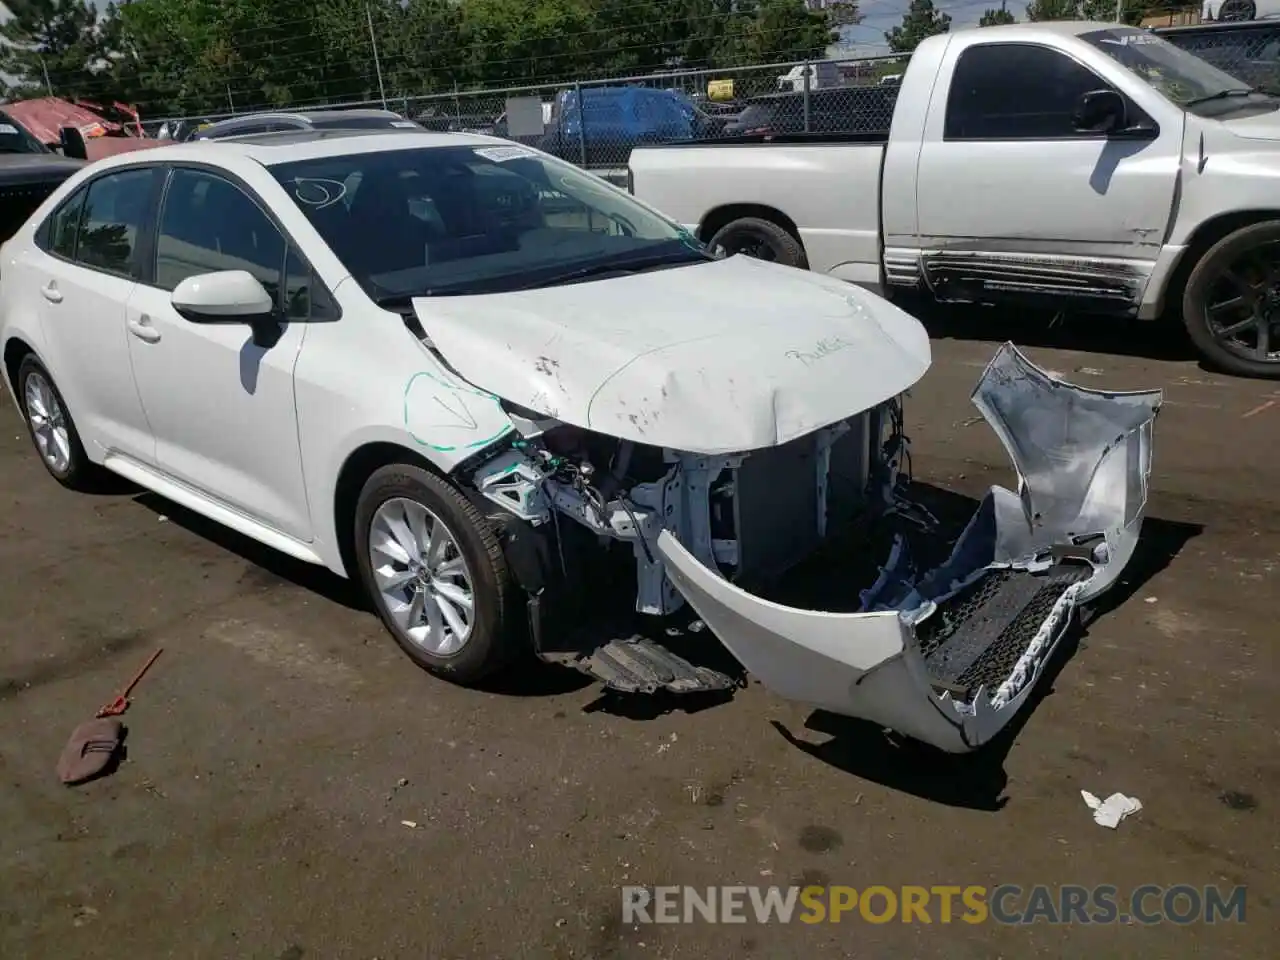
<point>1243,305</point>
<point>422,577</point>
<point>48,423</point>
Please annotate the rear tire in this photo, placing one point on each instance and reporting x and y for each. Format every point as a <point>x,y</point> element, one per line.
<point>1231,303</point>
<point>53,432</point>
<point>395,528</point>
<point>761,239</point>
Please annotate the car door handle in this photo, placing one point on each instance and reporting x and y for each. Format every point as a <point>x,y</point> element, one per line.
<point>51,292</point>
<point>143,330</point>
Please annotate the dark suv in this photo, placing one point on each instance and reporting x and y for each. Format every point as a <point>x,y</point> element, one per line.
<point>867,109</point>
<point>29,172</point>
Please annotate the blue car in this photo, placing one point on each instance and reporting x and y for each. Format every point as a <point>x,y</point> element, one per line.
<point>610,121</point>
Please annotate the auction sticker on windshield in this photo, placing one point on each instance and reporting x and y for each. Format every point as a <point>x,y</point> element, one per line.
<point>501,154</point>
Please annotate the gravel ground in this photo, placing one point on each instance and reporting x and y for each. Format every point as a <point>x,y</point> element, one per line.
<point>281,741</point>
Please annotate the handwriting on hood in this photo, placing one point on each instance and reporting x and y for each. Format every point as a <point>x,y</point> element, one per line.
<point>823,348</point>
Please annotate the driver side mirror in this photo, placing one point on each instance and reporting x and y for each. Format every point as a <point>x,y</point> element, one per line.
<point>229,296</point>
<point>1100,111</point>
<point>71,142</point>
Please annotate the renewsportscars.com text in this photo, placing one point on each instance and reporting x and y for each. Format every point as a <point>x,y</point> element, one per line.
<point>1005,904</point>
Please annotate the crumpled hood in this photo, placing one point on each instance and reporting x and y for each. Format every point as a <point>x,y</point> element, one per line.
<point>727,356</point>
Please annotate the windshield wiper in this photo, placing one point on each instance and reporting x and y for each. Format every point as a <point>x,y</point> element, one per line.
<point>629,265</point>
<point>402,302</point>
<point>1226,94</point>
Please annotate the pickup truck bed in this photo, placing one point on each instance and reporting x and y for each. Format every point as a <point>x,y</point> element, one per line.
<point>840,229</point>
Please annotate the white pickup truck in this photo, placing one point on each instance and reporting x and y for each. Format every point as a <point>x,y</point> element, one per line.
<point>1080,166</point>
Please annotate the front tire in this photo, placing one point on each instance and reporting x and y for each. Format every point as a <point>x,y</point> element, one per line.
<point>1231,304</point>
<point>52,430</point>
<point>761,239</point>
<point>435,572</point>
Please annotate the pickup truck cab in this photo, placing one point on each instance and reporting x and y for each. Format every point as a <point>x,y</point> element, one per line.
<point>29,172</point>
<point>1079,166</point>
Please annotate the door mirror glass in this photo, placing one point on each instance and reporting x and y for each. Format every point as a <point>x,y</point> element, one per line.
<point>228,296</point>
<point>71,142</point>
<point>1099,111</point>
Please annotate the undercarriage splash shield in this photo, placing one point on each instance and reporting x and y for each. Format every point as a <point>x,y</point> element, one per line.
<point>951,658</point>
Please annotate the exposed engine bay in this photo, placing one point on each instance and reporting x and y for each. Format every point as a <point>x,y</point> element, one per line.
<point>940,644</point>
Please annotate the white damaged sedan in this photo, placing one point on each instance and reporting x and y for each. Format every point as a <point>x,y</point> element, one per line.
<point>506,396</point>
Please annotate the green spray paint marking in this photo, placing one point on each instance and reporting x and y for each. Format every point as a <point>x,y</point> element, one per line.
<point>456,389</point>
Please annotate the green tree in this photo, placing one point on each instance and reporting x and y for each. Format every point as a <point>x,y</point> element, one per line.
<point>775,30</point>
<point>1133,12</point>
<point>214,57</point>
<point>57,39</point>
<point>843,14</point>
<point>514,41</point>
<point>919,22</point>
<point>1041,10</point>
<point>996,18</point>
<point>418,42</point>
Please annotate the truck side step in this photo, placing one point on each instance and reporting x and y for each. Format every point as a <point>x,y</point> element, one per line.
<point>638,665</point>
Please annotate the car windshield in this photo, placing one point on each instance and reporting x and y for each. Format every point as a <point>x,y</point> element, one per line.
<point>435,221</point>
<point>1180,76</point>
<point>14,138</point>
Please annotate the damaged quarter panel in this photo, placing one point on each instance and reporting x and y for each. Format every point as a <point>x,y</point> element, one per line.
<point>682,358</point>
<point>949,655</point>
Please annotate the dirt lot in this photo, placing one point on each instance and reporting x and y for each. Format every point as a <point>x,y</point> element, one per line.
<point>281,740</point>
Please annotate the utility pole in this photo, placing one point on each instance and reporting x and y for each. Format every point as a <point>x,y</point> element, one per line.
<point>1119,11</point>
<point>45,68</point>
<point>377,64</point>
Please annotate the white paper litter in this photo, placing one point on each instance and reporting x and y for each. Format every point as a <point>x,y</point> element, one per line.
<point>1109,812</point>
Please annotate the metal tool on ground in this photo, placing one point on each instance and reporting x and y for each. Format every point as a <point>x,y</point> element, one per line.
<point>96,745</point>
<point>121,703</point>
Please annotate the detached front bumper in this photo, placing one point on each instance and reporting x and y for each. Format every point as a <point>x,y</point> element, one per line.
<point>949,657</point>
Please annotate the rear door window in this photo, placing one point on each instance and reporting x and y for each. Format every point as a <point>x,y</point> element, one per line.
<point>58,234</point>
<point>114,216</point>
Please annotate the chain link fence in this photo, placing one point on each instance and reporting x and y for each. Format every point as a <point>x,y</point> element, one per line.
<point>597,123</point>
<point>1248,50</point>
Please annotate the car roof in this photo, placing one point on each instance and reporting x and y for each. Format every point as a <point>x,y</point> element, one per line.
<point>287,146</point>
